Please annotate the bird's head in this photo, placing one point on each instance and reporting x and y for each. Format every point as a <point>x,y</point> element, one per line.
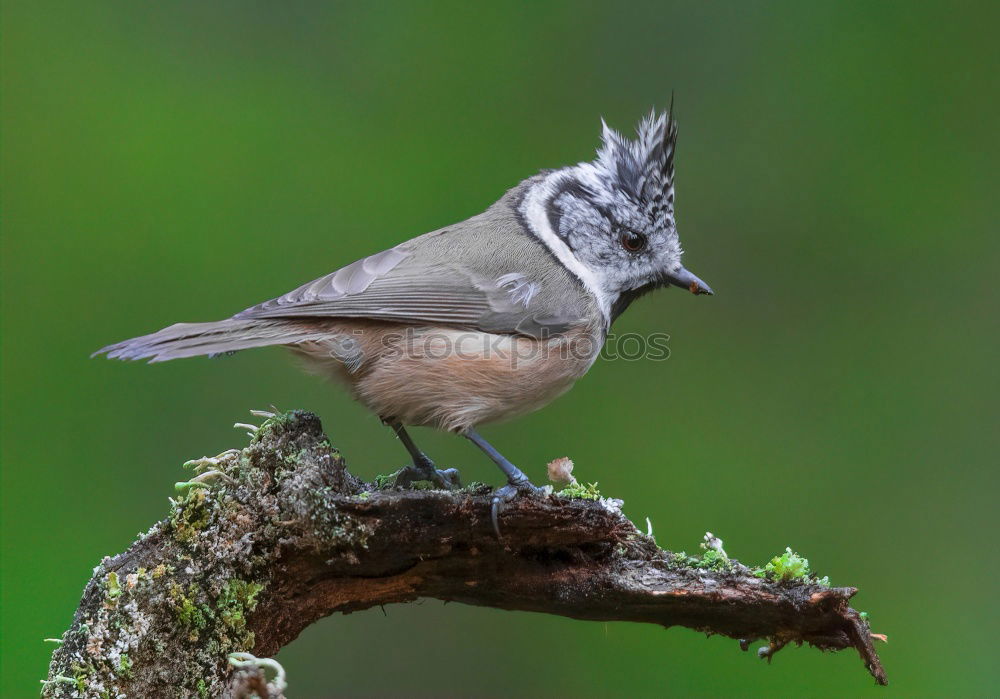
<point>611,221</point>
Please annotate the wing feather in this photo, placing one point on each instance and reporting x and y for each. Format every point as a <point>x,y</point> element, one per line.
<point>486,273</point>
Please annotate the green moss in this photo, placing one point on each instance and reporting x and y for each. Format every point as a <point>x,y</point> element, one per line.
<point>710,560</point>
<point>237,599</point>
<point>112,586</point>
<point>202,688</point>
<point>192,616</point>
<point>190,515</point>
<point>125,666</point>
<point>273,425</point>
<point>383,482</point>
<point>789,566</point>
<point>580,491</point>
<point>680,559</point>
<point>714,560</point>
<point>80,675</point>
<point>221,624</point>
<point>388,481</point>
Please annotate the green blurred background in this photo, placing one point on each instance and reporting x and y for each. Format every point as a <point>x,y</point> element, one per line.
<point>837,186</point>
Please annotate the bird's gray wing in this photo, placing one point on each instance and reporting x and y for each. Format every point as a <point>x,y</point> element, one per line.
<point>486,273</point>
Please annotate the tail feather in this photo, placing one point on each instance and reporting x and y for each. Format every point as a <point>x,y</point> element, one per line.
<point>195,339</point>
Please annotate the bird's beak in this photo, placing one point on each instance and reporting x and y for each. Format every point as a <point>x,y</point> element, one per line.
<point>686,280</point>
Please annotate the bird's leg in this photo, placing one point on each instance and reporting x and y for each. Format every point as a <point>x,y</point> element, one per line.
<point>517,482</point>
<point>423,468</point>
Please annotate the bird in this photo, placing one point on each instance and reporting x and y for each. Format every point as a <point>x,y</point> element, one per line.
<point>483,320</point>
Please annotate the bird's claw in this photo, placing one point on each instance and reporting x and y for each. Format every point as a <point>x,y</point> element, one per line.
<point>446,479</point>
<point>507,493</point>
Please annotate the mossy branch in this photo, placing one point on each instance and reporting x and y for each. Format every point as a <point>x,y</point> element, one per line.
<point>264,541</point>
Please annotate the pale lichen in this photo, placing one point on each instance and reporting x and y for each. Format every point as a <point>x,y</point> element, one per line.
<point>215,550</point>
<point>580,491</point>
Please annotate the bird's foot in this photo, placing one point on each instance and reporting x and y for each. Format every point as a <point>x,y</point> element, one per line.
<point>503,495</point>
<point>425,470</point>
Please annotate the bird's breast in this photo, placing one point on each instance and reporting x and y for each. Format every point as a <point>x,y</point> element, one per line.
<point>453,379</point>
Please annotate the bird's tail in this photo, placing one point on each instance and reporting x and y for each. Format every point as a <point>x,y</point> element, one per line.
<point>194,339</point>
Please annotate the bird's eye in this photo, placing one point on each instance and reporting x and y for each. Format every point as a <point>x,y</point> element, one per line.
<point>632,241</point>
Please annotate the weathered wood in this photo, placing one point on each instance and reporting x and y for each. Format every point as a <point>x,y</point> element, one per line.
<point>269,539</point>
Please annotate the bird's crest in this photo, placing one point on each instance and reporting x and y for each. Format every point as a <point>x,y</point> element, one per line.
<point>642,169</point>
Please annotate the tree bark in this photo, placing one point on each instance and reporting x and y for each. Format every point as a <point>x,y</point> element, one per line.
<point>266,540</point>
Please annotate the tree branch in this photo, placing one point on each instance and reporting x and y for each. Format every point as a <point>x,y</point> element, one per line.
<point>267,540</point>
